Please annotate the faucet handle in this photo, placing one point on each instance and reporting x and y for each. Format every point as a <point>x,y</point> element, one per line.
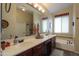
<point>16,37</point>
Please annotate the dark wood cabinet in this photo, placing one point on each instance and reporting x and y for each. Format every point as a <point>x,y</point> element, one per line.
<point>43,49</point>
<point>47,47</point>
<point>26,53</point>
<point>38,50</point>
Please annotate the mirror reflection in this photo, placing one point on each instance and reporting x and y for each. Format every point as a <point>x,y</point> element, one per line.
<point>21,18</point>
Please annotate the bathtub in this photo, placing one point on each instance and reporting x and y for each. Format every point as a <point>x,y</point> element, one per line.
<point>65,43</point>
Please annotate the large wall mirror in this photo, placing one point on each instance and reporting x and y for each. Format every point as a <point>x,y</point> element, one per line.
<point>19,20</point>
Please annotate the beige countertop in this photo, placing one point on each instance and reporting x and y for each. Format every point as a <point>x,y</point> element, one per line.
<point>28,43</point>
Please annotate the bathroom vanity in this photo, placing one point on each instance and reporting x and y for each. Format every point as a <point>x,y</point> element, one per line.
<point>32,47</point>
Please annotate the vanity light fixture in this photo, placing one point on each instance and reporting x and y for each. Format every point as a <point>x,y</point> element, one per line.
<point>38,7</point>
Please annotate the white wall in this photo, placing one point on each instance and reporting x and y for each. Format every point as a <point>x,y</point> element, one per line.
<point>10,17</point>
<point>76,28</point>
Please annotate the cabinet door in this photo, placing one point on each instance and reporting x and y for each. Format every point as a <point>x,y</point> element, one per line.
<point>48,47</point>
<point>38,50</point>
<point>26,53</point>
<point>53,42</point>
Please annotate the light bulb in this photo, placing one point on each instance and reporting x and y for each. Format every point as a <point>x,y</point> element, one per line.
<point>43,11</point>
<point>35,5</point>
<point>39,8</point>
<point>23,9</point>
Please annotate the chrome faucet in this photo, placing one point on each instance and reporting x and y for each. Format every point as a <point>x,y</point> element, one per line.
<point>15,40</point>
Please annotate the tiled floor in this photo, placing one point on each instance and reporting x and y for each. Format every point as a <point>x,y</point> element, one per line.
<point>57,52</point>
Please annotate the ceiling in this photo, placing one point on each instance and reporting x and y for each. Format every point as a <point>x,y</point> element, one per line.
<point>54,7</point>
<point>27,8</point>
<point>24,6</point>
<point>51,7</point>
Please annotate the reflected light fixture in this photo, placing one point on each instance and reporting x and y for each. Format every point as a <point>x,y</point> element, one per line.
<point>43,11</point>
<point>23,9</point>
<point>35,5</point>
<point>39,8</point>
